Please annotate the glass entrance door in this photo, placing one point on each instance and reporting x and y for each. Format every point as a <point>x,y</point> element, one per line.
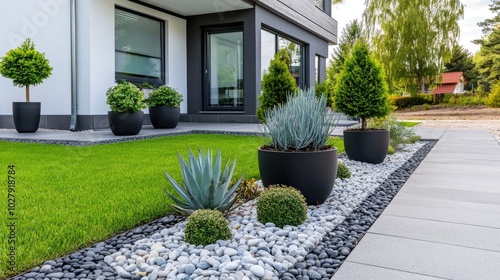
<point>224,80</point>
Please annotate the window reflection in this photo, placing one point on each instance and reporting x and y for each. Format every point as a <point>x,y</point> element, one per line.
<point>271,43</point>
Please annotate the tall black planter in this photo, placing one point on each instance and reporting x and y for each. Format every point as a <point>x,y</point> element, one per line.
<point>26,116</point>
<point>164,117</point>
<point>367,145</point>
<point>122,124</point>
<point>312,173</point>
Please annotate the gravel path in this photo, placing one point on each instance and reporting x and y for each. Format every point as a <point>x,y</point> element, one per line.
<point>492,126</point>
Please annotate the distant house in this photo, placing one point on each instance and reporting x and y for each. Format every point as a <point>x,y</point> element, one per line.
<point>451,83</point>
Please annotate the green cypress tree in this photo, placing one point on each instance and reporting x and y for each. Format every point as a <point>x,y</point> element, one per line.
<point>361,89</point>
<point>277,84</point>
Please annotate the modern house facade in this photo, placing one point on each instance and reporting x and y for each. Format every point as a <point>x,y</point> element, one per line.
<point>213,52</point>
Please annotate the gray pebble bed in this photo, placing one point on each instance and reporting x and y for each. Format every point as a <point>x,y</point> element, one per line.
<point>313,250</point>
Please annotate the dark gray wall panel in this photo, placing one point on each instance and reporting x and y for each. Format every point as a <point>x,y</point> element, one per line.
<point>195,56</point>
<point>305,14</point>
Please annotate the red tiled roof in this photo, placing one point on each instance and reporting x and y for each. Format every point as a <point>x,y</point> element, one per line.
<point>449,88</point>
<point>451,77</point>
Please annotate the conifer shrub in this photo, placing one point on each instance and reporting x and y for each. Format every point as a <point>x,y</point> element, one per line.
<point>277,85</point>
<point>361,90</point>
<point>343,171</point>
<point>205,227</point>
<point>282,205</point>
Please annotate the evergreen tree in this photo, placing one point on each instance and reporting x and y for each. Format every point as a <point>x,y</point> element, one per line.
<point>352,32</point>
<point>361,89</point>
<point>277,84</point>
<point>488,61</point>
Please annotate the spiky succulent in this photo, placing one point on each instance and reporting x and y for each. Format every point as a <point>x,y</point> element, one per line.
<point>206,185</point>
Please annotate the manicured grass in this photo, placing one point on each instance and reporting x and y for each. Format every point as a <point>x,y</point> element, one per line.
<point>410,124</point>
<point>71,197</point>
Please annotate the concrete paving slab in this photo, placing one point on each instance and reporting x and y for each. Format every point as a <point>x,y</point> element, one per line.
<point>440,232</point>
<point>404,205</point>
<point>475,168</point>
<point>357,271</point>
<point>428,258</point>
<point>429,133</point>
<point>454,182</point>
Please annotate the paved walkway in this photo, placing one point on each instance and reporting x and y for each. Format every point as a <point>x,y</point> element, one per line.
<point>102,135</point>
<point>445,221</point>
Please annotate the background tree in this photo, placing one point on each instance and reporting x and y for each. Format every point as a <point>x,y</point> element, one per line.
<point>489,24</point>
<point>352,32</point>
<point>361,89</point>
<point>488,61</point>
<point>488,58</point>
<point>462,61</point>
<point>413,38</point>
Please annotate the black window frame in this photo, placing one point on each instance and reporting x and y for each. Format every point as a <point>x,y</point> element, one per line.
<point>139,79</point>
<point>302,79</point>
<point>207,31</point>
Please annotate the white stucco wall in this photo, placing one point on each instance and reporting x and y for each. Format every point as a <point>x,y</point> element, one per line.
<point>47,23</point>
<point>96,52</point>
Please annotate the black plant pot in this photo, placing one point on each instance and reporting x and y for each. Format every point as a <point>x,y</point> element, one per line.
<point>312,173</point>
<point>26,116</point>
<point>367,145</point>
<point>125,123</point>
<point>164,117</point>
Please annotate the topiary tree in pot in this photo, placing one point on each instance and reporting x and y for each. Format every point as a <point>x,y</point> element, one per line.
<point>26,67</point>
<point>277,84</point>
<point>126,101</point>
<point>362,92</point>
<point>164,107</point>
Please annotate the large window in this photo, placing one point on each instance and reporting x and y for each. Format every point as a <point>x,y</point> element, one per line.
<point>139,48</point>
<point>271,43</point>
<point>224,60</point>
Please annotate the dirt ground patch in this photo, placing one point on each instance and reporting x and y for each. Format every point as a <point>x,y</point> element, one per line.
<point>450,113</point>
<point>457,117</point>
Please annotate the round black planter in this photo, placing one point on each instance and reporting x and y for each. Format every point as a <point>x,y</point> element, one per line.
<point>313,173</point>
<point>125,123</point>
<point>367,145</point>
<point>164,117</point>
<point>26,116</point>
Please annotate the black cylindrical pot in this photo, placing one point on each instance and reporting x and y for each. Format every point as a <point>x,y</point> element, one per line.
<point>367,145</point>
<point>125,123</point>
<point>164,117</point>
<point>26,116</point>
<point>312,173</point>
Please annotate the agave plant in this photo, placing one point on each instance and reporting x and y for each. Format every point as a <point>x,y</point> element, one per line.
<point>206,185</point>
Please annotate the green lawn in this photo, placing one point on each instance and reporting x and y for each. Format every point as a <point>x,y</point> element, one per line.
<point>70,197</point>
<point>410,124</point>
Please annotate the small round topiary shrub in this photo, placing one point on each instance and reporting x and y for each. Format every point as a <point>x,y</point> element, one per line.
<point>342,171</point>
<point>282,206</point>
<point>206,226</point>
